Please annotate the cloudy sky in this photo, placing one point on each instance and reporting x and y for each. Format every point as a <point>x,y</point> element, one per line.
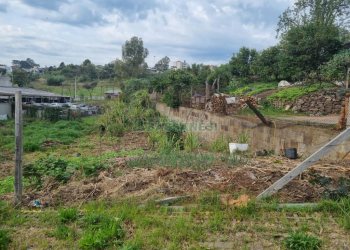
<point>202,31</point>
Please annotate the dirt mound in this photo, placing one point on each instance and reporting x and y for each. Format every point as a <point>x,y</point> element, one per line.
<point>162,182</point>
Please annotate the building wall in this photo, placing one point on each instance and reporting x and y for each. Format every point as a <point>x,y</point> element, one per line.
<point>5,81</point>
<point>283,134</point>
<point>5,109</point>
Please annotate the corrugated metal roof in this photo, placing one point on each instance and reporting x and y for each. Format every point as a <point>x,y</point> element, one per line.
<point>10,91</point>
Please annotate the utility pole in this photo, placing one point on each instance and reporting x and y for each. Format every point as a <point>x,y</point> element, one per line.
<point>75,88</point>
<point>19,147</point>
<point>347,78</point>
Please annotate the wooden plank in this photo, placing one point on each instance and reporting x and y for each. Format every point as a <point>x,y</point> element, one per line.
<point>19,147</point>
<point>305,164</point>
<point>257,113</point>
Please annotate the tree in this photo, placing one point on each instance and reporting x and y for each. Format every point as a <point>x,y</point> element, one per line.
<point>88,71</point>
<point>90,87</point>
<point>320,12</point>
<point>20,77</point>
<point>337,68</point>
<point>134,55</point>
<point>305,48</point>
<point>242,61</point>
<point>163,64</point>
<point>267,64</point>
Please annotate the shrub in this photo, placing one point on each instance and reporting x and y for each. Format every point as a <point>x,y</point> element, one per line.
<point>55,80</point>
<point>302,241</point>
<point>5,239</point>
<point>174,130</point>
<point>68,215</point>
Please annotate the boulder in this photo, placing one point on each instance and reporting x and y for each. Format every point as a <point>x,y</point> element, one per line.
<point>284,83</point>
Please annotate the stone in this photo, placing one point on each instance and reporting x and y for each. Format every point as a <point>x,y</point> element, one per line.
<point>284,83</point>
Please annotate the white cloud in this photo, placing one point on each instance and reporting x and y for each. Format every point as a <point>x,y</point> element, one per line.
<point>201,31</point>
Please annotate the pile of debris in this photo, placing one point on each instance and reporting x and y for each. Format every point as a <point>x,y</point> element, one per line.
<point>227,105</point>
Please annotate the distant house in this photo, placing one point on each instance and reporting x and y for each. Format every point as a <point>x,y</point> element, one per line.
<point>112,94</point>
<point>180,65</point>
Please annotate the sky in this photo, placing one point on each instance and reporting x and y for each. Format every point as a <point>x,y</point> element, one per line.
<point>198,31</point>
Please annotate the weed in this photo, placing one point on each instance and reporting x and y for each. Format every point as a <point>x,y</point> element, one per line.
<point>191,142</point>
<point>220,145</point>
<point>302,241</point>
<point>106,234</point>
<point>243,138</point>
<point>68,215</point>
<point>5,239</point>
<point>52,166</point>
<point>63,232</point>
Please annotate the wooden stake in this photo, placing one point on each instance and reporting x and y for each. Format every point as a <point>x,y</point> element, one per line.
<point>19,147</point>
<point>305,164</point>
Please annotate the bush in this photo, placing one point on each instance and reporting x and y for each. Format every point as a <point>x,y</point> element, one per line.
<point>174,130</point>
<point>302,241</point>
<point>55,80</point>
<point>5,239</point>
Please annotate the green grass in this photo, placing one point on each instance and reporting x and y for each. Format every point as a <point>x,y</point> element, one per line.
<point>293,93</point>
<point>129,225</point>
<point>253,88</point>
<point>302,241</point>
<point>37,132</point>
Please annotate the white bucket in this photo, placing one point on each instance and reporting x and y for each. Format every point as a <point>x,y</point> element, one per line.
<point>237,147</point>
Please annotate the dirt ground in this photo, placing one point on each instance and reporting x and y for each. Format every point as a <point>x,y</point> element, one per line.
<point>251,178</point>
<point>143,183</point>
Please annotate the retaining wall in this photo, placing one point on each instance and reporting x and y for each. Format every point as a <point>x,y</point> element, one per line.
<point>284,134</point>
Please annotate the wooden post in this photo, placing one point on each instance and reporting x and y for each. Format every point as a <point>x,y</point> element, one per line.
<point>257,113</point>
<point>347,78</point>
<point>19,147</point>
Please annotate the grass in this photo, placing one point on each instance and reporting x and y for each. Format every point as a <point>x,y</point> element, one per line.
<point>37,132</point>
<point>201,223</point>
<point>293,93</point>
<point>253,88</point>
<point>301,241</point>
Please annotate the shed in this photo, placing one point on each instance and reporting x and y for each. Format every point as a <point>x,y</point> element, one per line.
<point>112,94</point>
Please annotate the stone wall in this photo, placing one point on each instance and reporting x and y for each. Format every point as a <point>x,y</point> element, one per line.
<point>284,134</point>
<point>323,102</point>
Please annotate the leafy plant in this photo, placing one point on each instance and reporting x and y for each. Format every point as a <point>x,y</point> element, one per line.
<point>5,239</point>
<point>302,241</point>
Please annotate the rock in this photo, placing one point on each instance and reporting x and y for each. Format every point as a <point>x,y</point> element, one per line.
<point>284,83</point>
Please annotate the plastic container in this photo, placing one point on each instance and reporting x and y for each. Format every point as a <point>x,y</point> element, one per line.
<point>237,147</point>
<point>291,153</point>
